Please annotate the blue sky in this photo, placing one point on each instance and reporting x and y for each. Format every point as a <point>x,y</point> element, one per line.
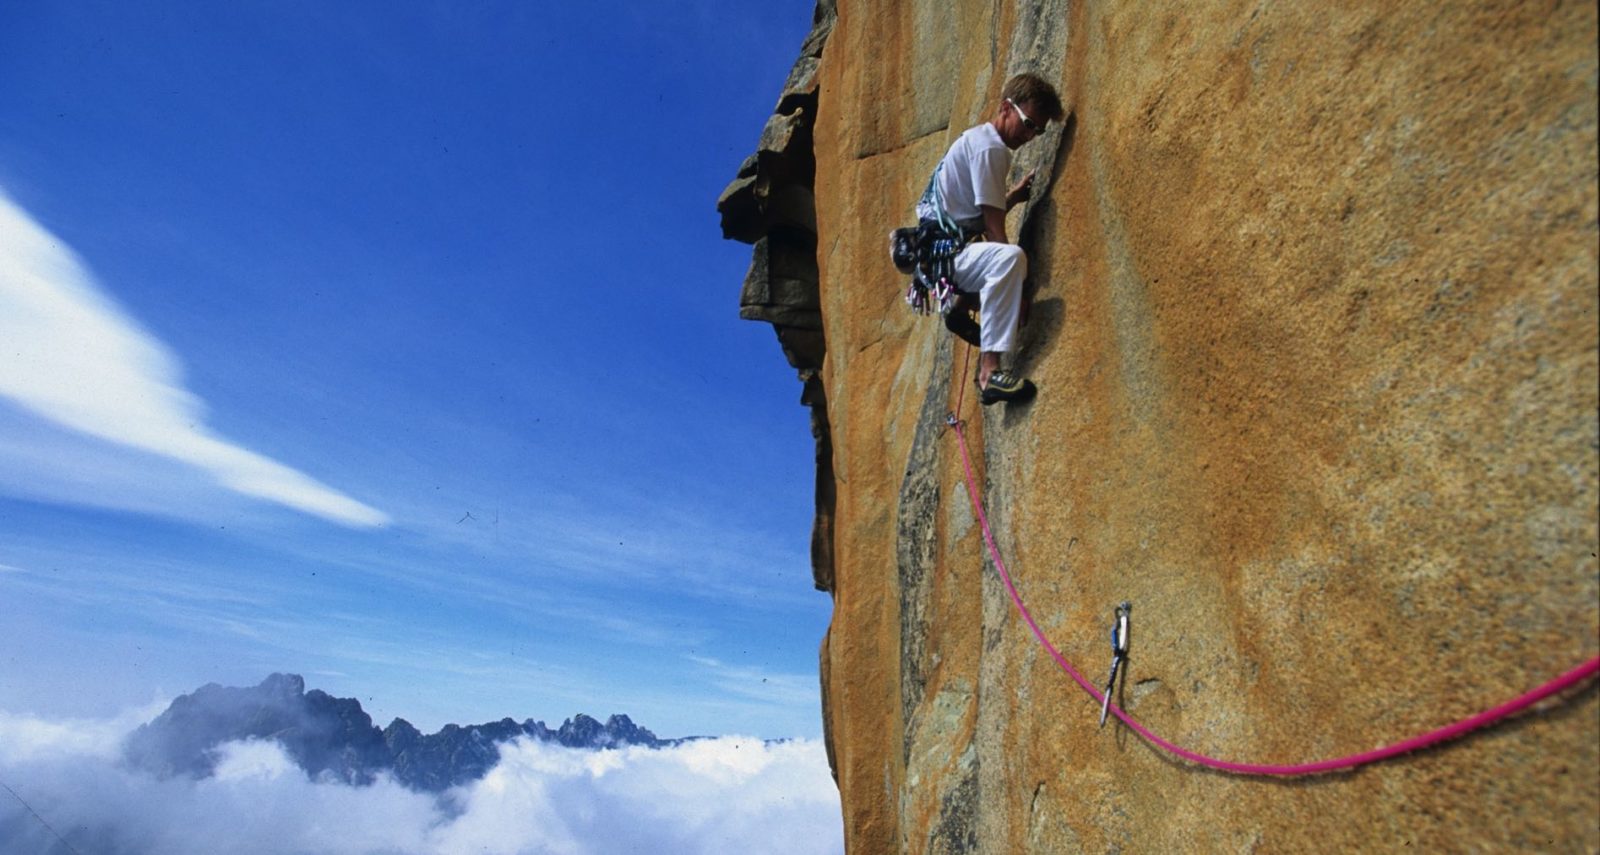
<point>396,345</point>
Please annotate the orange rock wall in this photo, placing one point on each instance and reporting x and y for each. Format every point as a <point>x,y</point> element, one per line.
<point>1316,342</point>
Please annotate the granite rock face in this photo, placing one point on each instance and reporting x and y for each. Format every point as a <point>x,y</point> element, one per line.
<point>1315,332</point>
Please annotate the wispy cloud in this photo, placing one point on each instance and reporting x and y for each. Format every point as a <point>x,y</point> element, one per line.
<point>73,357</point>
<point>763,686</point>
<point>674,542</point>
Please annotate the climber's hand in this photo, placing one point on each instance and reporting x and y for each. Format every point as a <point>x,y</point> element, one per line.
<point>1021,191</point>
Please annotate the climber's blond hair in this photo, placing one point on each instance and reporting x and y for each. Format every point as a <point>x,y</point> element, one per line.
<point>1029,88</point>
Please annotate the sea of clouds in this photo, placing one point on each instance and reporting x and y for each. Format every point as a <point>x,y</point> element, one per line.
<point>724,795</point>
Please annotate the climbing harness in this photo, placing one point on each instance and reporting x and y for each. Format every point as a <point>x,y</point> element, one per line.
<point>927,252</point>
<point>1560,684</point>
<point>1119,654</point>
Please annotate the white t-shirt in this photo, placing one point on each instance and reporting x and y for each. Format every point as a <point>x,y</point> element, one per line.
<point>972,173</point>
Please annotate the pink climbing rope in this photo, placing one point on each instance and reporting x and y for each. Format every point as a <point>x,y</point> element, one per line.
<point>1562,683</point>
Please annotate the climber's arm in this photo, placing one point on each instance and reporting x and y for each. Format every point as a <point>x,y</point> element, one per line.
<point>1023,189</point>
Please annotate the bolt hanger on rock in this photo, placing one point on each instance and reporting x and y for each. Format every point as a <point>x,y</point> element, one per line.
<point>1119,654</point>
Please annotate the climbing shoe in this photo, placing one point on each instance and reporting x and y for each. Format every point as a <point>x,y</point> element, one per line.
<point>1005,386</point>
<point>960,322</point>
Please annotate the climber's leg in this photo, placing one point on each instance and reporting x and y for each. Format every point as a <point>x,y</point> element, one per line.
<point>996,271</point>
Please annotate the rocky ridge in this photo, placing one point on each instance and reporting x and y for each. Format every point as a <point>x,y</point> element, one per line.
<point>333,738</point>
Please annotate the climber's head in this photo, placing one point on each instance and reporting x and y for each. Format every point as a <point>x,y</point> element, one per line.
<point>1027,104</point>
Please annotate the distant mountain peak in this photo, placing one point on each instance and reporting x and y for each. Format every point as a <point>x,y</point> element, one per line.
<point>284,685</point>
<point>332,737</point>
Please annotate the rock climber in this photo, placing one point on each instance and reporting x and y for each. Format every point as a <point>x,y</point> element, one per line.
<point>970,187</point>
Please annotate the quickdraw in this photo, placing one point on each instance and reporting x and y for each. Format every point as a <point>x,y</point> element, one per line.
<point>933,274</point>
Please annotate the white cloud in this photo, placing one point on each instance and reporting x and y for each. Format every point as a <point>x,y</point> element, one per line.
<point>713,796</point>
<point>719,795</point>
<point>25,738</point>
<point>253,759</point>
<point>72,356</point>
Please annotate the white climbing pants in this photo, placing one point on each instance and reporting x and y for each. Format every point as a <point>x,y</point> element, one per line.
<point>995,271</point>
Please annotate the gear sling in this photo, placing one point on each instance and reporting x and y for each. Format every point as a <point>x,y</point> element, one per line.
<point>927,252</point>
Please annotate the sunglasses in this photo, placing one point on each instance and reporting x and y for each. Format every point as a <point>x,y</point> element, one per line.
<point>1035,127</point>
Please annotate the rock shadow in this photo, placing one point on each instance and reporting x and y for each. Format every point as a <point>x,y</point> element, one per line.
<point>1049,314</point>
